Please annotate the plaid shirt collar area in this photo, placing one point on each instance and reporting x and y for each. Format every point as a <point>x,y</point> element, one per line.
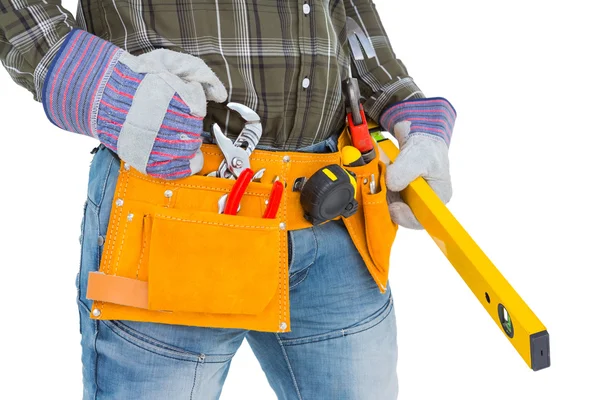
<point>285,59</point>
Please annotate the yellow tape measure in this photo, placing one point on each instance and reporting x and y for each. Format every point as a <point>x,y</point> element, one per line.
<point>328,194</point>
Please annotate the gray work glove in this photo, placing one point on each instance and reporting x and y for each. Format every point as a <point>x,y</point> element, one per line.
<point>420,155</point>
<point>149,109</point>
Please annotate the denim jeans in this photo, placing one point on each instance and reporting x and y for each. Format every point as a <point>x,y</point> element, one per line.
<point>342,344</point>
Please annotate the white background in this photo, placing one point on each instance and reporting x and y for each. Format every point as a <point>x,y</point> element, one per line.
<point>524,77</point>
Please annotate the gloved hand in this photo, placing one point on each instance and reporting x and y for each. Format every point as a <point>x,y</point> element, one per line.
<point>423,128</point>
<point>149,109</point>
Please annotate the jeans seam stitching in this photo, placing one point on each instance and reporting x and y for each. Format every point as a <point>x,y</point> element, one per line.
<point>148,340</point>
<point>81,303</point>
<point>143,338</point>
<point>96,332</point>
<point>147,349</point>
<point>103,187</point>
<point>307,269</point>
<point>344,334</point>
<point>316,246</point>
<point>289,365</point>
<point>138,336</point>
<point>385,312</point>
<point>194,383</point>
<point>81,251</point>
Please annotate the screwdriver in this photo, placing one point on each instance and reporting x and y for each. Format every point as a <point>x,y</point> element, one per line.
<point>352,157</point>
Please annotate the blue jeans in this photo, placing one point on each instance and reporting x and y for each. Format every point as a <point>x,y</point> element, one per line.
<point>342,344</point>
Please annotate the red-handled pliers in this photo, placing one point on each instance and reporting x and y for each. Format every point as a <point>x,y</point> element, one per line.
<point>274,199</point>
<point>237,163</point>
<point>237,191</point>
<point>230,203</point>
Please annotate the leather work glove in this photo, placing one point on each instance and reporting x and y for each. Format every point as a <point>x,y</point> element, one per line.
<point>423,128</point>
<point>149,109</point>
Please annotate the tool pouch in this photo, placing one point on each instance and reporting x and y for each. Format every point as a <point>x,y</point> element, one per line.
<point>371,227</point>
<point>192,252</point>
<point>169,257</point>
<point>176,260</point>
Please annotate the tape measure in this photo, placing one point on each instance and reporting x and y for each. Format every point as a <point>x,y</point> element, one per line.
<point>328,194</point>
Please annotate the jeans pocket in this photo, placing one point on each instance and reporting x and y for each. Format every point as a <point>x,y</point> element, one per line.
<point>302,254</point>
<point>144,341</point>
<point>101,186</point>
<point>81,232</point>
<point>102,176</point>
<point>369,322</point>
<point>90,251</point>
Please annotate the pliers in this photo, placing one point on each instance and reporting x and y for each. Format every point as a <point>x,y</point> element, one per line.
<point>237,154</point>
<point>274,199</point>
<point>236,164</point>
<point>230,203</point>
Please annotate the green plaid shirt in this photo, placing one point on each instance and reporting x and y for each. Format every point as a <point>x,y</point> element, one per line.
<point>285,59</point>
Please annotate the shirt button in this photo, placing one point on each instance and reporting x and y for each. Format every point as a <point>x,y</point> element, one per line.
<point>306,8</point>
<point>305,83</point>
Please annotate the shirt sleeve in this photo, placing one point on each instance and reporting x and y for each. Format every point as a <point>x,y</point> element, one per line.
<point>384,80</point>
<point>31,32</point>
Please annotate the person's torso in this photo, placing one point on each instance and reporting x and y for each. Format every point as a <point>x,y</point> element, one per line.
<point>285,59</point>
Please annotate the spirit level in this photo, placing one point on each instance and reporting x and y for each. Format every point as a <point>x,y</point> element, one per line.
<point>520,325</point>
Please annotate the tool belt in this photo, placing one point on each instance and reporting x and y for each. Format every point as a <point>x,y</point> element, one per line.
<point>170,257</point>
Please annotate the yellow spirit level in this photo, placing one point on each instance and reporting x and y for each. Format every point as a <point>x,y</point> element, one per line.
<point>520,325</point>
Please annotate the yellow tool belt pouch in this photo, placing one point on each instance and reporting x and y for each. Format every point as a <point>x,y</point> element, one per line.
<point>170,257</point>
<point>372,230</point>
<point>195,253</point>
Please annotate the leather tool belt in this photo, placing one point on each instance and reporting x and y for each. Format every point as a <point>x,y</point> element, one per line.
<point>169,258</point>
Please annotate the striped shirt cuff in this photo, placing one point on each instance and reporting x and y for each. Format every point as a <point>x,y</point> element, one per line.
<point>76,79</point>
<point>431,116</point>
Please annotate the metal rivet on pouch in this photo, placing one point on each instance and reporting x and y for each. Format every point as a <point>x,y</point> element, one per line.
<point>119,202</point>
<point>282,226</point>
<point>126,166</point>
<point>96,313</point>
<point>283,326</point>
<point>130,217</point>
<point>286,158</point>
<point>365,181</point>
<point>100,240</point>
<point>168,193</point>
<point>267,202</point>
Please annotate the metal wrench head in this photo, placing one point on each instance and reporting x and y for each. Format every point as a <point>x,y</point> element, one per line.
<point>246,141</point>
<point>252,131</point>
<point>248,114</point>
<point>356,39</point>
<point>236,158</point>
